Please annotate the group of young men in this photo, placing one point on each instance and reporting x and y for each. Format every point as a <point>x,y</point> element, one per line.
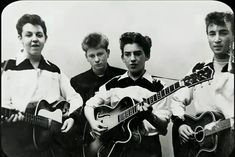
<point>113,91</point>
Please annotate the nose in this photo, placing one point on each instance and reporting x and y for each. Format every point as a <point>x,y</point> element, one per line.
<point>217,38</point>
<point>34,38</point>
<point>97,59</point>
<point>133,57</point>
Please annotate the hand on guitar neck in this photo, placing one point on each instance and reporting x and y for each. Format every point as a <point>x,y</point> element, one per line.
<point>98,127</point>
<point>18,116</point>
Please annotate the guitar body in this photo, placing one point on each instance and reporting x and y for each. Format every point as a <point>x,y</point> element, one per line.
<point>110,142</point>
<point>22,136</point>
<point>122,123</point>
<point>201,145</point>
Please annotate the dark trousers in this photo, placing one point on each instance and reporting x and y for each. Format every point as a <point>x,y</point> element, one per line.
<point>149,146</point>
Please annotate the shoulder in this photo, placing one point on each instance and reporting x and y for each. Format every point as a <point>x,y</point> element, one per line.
<point>112,83</point>
<point>81,77</point>
<point>117,69</point>
<point>53,68</point>
<point>8,65</point>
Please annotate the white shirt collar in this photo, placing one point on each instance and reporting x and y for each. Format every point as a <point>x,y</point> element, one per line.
<point>21,56</point>
<point>146,75</point>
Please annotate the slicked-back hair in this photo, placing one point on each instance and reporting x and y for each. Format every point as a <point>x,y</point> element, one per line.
<point>219,18</point>
<point>135,37</point>
<point>32,19</point>
<point>95,40</point>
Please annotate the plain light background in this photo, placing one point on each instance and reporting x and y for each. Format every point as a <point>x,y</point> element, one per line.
<point>177,30</point>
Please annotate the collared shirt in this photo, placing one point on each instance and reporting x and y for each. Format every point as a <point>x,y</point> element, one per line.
<point>23,84</point>
<point>123,86</point>
<point>215,95</point>
<point>87,83</point>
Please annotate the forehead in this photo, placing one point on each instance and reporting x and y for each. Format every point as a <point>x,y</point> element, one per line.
<point>95,51</point>
<point>28,27</point>
<point>214,27</point>
<point>132,47</point>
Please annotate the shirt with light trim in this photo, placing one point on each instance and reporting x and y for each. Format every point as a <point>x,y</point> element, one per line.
<point>216,95</point>
<point>123,86</point>
<point>23,84</point>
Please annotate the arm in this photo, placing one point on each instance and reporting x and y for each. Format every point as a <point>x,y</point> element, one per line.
<point>70,94</point>
<point>160,116</point>
<point>72,97</point>
<point>96,125</point>
<point>178,104</point>
<point>6,100</point>
<point>224,94</point>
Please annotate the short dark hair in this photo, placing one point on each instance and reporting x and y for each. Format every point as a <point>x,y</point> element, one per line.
<point>218,18</point>
<point>95,40</point>
<point>135,37</point>
<point>32,19</point>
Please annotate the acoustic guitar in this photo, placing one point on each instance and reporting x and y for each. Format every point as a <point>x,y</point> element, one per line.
<point>121,118</point>
<point>210,129</point>
<point>41,122</point>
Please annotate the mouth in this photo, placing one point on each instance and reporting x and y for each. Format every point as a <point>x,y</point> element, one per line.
<point>34,45</point>
<point>218,46</point>
<point>98,65</point>
<point>133,65</point>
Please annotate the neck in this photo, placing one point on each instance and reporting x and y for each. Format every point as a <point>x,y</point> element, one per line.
<point>136,75</point>
<point>34,60</point>
<point>99,72</point>
<point>223,58</point>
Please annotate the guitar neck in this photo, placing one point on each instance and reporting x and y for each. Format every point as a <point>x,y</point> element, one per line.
<point>28,118</point>
<point>151,100</point>
<point>219,126</point>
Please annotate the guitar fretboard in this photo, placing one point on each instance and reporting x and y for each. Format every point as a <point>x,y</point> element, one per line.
<point>29,118</point>
<point>151,100</point>
<point>221,125</point>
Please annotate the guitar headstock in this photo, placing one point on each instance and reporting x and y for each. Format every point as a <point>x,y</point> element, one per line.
<point>205,74</point>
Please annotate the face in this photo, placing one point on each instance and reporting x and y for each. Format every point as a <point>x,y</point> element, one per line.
<point>97,58</point>
<point>219,38</point>
<point>134,58</point>
<point>32,39</point>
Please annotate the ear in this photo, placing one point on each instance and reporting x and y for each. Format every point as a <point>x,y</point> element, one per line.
<point>108,52</point>
<point>46,39</point>
<point>147,58</point>
<point>122,59</point>
<point>20,37</point>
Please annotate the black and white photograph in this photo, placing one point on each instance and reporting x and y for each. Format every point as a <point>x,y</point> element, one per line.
<point>117,79</point>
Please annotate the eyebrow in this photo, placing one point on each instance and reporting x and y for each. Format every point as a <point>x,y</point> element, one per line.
<point>132,51</point>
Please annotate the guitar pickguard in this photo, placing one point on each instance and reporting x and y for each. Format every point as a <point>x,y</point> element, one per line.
<point>55,115</point>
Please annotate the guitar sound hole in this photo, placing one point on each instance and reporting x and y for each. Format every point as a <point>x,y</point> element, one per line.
<point>199,134</point>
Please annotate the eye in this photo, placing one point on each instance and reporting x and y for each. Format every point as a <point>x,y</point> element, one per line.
<point>211,33</point>
<point>40,35</point>
<point>138,53</point>
<point>91,56</point>
<point>127,54</point>
<point>100,54</point>
<point>224,33</point>
<point>28,34</point>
